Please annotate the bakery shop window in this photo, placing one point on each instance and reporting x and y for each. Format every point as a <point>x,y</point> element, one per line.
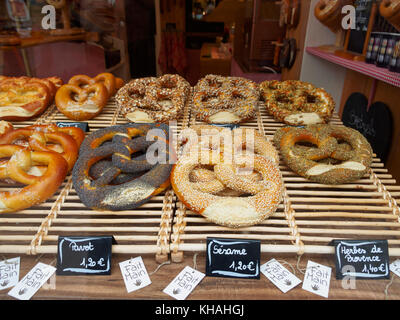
<point>86,35</point>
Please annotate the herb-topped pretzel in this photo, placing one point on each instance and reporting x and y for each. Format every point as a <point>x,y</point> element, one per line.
<point>324,153</point>
<point>118,169</point>
<point>296,102</point>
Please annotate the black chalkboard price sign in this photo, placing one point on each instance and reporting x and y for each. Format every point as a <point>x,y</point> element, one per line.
<point>362,259</point>
<point>233,258</point>
<point>84,255</point>
<point>83,125</point>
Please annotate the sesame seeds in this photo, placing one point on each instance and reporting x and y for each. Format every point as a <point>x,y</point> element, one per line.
<point>223,195</point>
<point>160,99</point>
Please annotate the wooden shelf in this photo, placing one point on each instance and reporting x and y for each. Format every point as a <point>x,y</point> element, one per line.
<point>39,38</point>
<point>370,70</point>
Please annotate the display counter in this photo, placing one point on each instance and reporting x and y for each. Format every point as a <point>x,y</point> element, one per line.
<point>169,237</point>
<point>210,288</point>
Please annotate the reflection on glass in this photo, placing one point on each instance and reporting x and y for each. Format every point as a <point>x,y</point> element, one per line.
<point>202,8</point>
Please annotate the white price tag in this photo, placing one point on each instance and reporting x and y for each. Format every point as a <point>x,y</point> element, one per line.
<point>395,267</point>
<point>279,275</point>
<point>184,283</point>
<point>9,273</point>
<point>317,279</point>
<point>32,282</point>
<point>134,274</point>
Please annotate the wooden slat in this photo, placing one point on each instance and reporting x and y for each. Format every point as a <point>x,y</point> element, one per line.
<point>311,214</point>
<point>36,230</point>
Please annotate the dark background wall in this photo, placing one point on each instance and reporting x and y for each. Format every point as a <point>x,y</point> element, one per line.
<point>141,29</point>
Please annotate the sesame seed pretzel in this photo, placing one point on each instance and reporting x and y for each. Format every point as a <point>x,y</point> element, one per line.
<point>151,99</point>
<point>297,103</point>
<point>239,140</point>
<point>37,189</point>
<point>117,149</point>
<point>219,99</point>
<point>336,155</point>
<point>209,183</point>
<point>231,211</point>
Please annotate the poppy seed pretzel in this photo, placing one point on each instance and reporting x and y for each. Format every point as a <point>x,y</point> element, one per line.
<point>116,148</point>
<point>329,160</point>
<point>296,102</point>
<point>151,99</point>
<point>219,99</point>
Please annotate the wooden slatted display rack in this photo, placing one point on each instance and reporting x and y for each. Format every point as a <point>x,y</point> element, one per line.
<point>310,215</point>
<point>144,230</point>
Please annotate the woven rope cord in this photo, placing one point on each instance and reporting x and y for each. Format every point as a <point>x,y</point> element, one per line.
<point>56,207</point>
<point>178,224</point>
<point>288,209</point>
<point>50,111</point>
<point>46,223</point>
<point>163,237</point>
<point>178,227</point>
<point>385,194</point>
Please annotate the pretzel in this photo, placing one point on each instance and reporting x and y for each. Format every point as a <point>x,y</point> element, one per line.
<point>238,140</point>
<point>337,154</point>
<point>119,83</point>
<point>231,143</point>
<point>58,4</point>
<point>21,99</point>
<point>390,10</point>
<point>151,99</point>
<point>37,189</point>
<point>329,12</point>
<point>114,147</point>
<point>52,83</point>
<point>38,137</point>
<point>229,211</point>
<point>57,81</point>
<point>219,99</point>
<point>81,103</point>
<point>5,127</point>
<point>108,79</point>
<point>207,176</point>
<point>297,103</point>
